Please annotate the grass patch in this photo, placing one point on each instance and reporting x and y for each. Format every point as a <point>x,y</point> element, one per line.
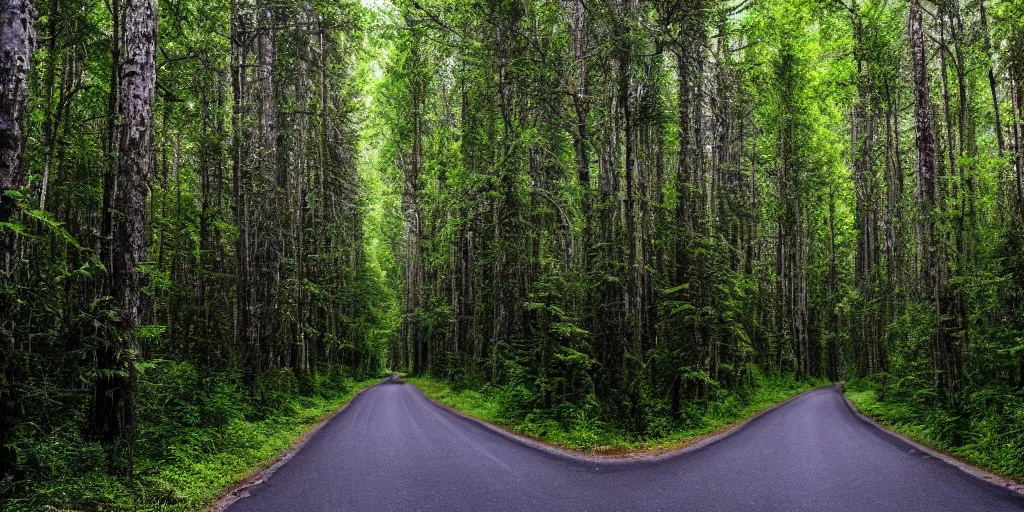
<point>587,433</point>
<point>185,472</point>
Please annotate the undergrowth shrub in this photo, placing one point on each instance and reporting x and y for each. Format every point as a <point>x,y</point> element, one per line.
<point>986,427</point>
<point>198,429</point>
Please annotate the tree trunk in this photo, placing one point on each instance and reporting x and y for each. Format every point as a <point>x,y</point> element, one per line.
<point>413,263</point>
<point>266,209</point>
<point>110,136</point>
<point>924,134</point>
<point>17,39</point>
<point>992,77</point>
<point>1018,151</point>
<point>944,359</point>
<point>116,386</point>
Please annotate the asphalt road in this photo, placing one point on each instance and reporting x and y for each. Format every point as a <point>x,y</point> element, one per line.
<point>394,450</point>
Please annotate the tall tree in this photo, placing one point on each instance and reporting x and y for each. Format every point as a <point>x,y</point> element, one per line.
<point>116,384</point>
<point>17,38</point>
<point>934,265</point>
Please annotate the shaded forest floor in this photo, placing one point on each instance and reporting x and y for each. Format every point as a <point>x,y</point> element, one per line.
<point>204,444</point>
<point>986,430</point>
<point>589,434</point>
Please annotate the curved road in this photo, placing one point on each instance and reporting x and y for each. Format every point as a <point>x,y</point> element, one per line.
<point>395,450</point>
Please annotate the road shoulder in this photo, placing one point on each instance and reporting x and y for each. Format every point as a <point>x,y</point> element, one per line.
<point>262,472</point>
<point>981,474</point>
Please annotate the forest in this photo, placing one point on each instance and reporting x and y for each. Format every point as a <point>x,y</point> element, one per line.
<point>604,214</point>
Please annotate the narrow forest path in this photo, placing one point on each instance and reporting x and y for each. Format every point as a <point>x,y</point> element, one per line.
<point>395,450</point>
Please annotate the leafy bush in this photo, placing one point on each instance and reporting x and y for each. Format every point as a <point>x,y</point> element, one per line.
<point>987,430</point>
<point>199,431</point>
<point>587,426</point>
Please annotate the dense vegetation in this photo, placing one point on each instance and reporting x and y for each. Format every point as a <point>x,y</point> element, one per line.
<point>187,279</point>
<point>587,432</point>
<point>623,213</point>
<point>623,209</point>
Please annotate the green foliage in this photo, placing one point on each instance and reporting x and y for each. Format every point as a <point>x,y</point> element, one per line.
<point>203,410</point>
<point>580,427</point>
<point>198,434</point>
<point>605,224</point>
<point>985,432</point>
